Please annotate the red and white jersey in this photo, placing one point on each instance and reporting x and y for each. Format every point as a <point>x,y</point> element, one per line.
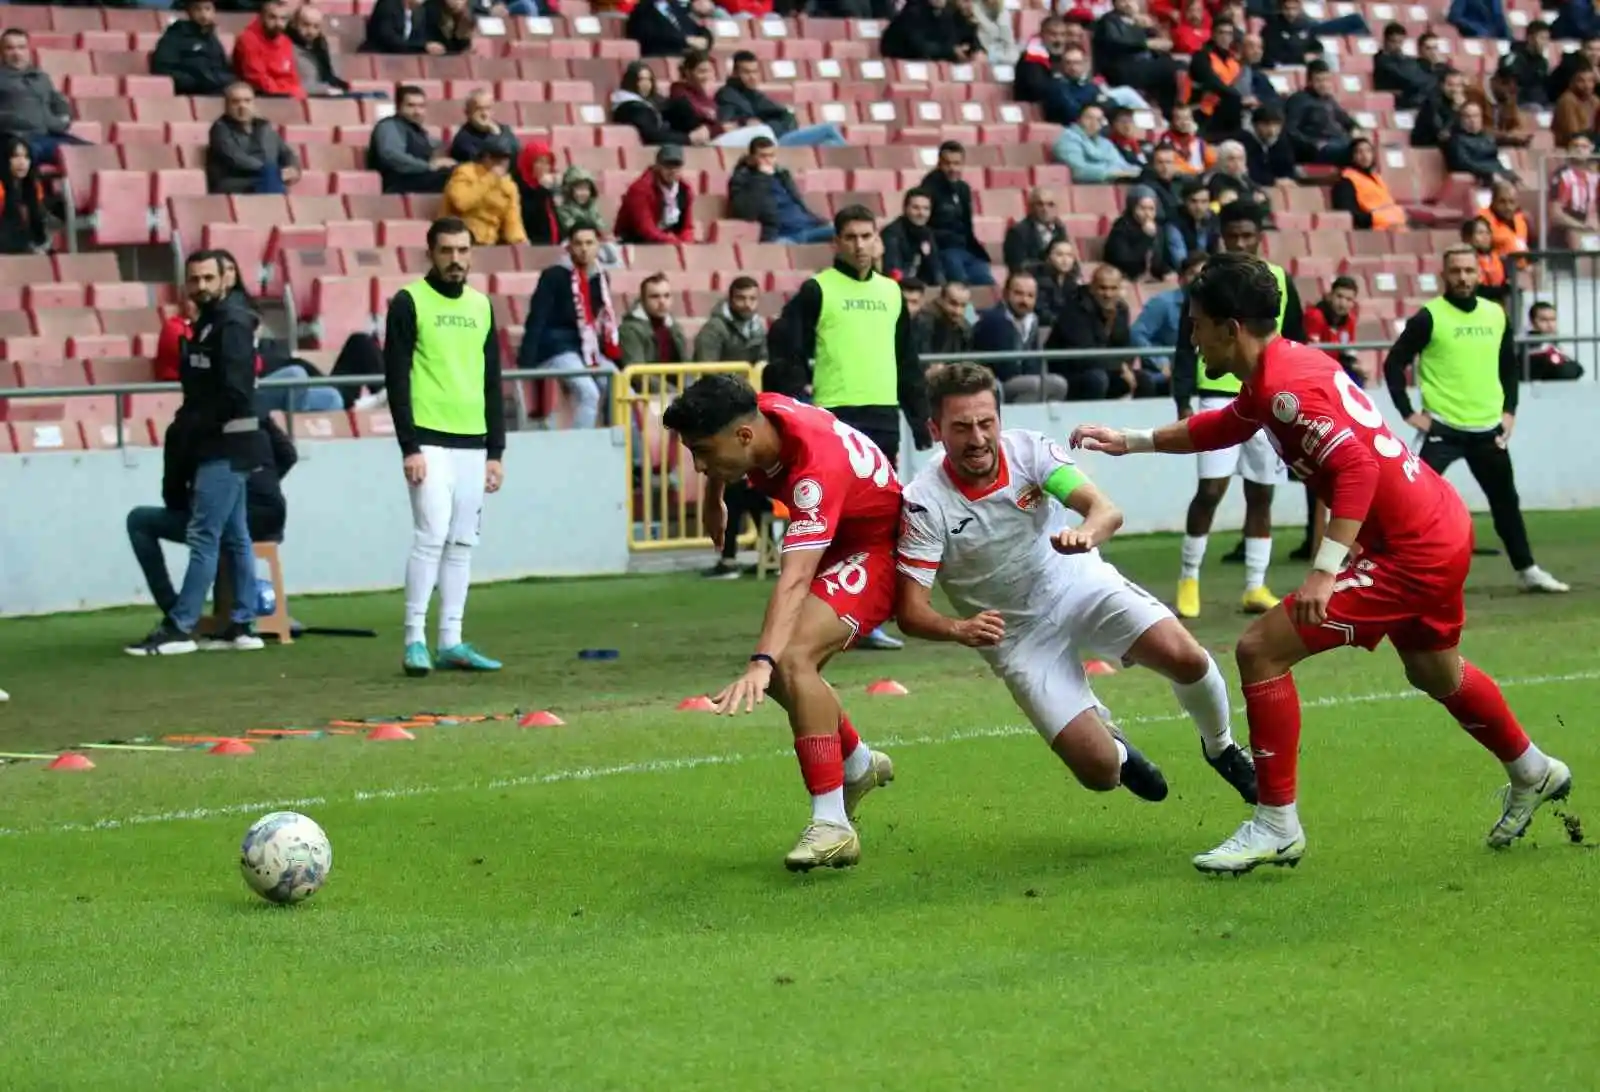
<point>1331,435</point>
<point>836,483</point>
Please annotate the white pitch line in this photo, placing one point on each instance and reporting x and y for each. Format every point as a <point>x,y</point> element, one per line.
<point>667,765</point>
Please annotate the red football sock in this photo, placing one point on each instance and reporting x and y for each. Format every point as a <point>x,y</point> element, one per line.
<point>1273,708</point>
<point>1482,711</point>
<point>848,740</point>
<point>820,763</point>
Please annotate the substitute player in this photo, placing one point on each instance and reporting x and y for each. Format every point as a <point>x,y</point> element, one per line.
<point>1253,460</point>
<point>441,358</point>
<point>836,580</point>
<point>988,523</point>
<point>1393,561</point>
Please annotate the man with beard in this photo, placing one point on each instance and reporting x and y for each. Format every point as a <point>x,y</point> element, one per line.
<point>909,249</point>
<point>989,524</point>
<point>441,358</point>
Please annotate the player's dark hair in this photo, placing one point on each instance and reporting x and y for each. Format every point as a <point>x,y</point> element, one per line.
<point>955,380</point>
<point>1542,305</point>
<point>913,284</point>
<point>741,284</point>
<point>952,147</point>
<point>1240,212</point>
<point>447,225</point>
<point>853,214</point>
<point>1344,282</point>
<point>408,90</point>
<point>1193,262</point>
<point>1470,226</point>
<point>1240,288</point>
<point>709,405</point>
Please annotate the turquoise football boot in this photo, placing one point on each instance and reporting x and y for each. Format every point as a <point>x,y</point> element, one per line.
<point>464,657</point>
<point>416,662</point>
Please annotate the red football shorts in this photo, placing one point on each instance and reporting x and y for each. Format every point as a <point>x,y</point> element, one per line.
<point>1416,599</point>
<point>857,580</point>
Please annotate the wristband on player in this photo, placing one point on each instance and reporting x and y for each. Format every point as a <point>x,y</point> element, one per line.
<point>1140,440</point>
<point>762,657</point>
<point>1330,556</point>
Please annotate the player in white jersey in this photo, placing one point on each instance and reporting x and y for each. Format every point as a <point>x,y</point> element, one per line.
<point>988,522</point>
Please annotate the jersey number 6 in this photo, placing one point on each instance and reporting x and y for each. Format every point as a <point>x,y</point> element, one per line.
<point>866,460</point>
<point>1363,412</point>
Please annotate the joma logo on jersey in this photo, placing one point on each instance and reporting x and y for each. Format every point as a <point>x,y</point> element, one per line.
<point>462,322</point>
<point>1029,498</point>
<point>1474,331</point>
<point>865,305</point>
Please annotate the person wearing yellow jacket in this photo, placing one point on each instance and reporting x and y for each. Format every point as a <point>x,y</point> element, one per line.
<point>484,195</point>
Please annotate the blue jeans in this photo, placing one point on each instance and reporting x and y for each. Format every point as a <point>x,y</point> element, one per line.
<point>811,136</point>
<point>816,233</point>
<point>965,266</point>
<point>218,521</point>
<point>303,399</point>
<point>148,528</point>
<point>1346,25</point>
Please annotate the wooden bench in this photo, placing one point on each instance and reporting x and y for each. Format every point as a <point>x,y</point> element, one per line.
<point>276,624</point>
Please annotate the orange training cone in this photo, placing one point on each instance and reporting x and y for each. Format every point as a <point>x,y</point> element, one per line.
<point>697,704</point>
<point>385,733</point>
<point>886,688</point>
<point>71,761</point>
<point>543,718</point>
<point>232,747</point>
<point>1098,667</point>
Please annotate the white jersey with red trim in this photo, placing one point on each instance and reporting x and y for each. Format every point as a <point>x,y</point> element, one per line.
<point>989,549</point>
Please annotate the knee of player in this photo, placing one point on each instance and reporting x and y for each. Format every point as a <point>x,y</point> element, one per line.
<point>1256,657</point>
<point>1210,491</point>
<point>1436,674</point>
<point>793,664</point>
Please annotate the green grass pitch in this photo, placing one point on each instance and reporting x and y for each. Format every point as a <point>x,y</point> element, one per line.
<point>603,906</point>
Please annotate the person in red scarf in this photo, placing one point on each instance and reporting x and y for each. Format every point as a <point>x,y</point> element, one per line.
<point>1194,154</point>
<point>536,183</point>
<point>571,324</point>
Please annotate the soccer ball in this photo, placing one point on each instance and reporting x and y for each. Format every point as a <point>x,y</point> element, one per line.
<point>285,857</point>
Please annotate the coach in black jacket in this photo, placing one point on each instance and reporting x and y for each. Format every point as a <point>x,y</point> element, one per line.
<point>218,418</point>
<point>191,53</point>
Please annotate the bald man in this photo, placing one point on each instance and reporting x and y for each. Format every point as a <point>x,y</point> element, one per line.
<point>1030,238</point>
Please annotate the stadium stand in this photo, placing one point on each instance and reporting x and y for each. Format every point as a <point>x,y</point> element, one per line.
<point>333,250</point>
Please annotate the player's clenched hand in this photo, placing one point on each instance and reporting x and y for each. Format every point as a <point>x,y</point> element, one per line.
<point>1108,441</point>
<point>714,521</point>
<point>749,690</point>
<point>981,630</point>
<point>1508,422</point>
<point>1073,540</point>
<point>416,468</point>
<point>1422,422</point>
<point>1311,601</point>
<point>494,473</point>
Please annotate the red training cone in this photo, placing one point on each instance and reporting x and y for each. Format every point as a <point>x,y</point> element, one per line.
<point>887,688</point>
<point>1098,667</point>
<point>385,733</point>
<point>541,719</point>
<point>697,704</point>
<point>70,761</point>
<point>232,747</point>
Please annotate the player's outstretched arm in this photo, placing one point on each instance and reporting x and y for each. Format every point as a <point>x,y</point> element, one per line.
<point>917,617</point>
<point>1173,439</point>
<point>777,628</point>
<point>1101,520</point>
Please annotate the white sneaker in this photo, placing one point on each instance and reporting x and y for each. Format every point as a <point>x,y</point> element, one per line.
<point>1251,845</point>
<point>824,844</point>
<point>1521,801</point>
<point>1535,579</point>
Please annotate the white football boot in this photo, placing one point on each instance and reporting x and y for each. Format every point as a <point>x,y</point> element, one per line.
<point>1521,801</point>
<point>1250,846</point>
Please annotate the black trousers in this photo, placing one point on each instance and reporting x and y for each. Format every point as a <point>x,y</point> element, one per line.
<point>873,422</point>
<point>741,501</point>
<point>1490,465</point>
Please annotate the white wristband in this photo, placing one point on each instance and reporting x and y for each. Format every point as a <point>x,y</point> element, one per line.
<point>1330,556</point>
<point>1140,440</point>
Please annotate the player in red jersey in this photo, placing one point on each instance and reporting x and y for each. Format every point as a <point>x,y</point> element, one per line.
<point>1393,562</point>
<point>837,579</point>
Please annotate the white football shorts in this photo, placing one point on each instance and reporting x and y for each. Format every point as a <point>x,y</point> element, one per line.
<point>1255,460</point>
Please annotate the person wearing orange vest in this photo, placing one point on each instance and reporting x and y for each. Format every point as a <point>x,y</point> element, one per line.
<point>1363,193</point>
<point>1477,234</point>
<point>1214,73</point>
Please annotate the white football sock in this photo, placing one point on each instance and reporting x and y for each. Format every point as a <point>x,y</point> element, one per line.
<point>829,808</point>
<point>1257,556</point>
<point>1206,702</point>
<point>1122,752</point>
<point>858,763</point>
<point>422,572</point>
<point>455,575</point>
<point>1529,767</point>
<point>1283,820</point>
<point>1194,552</point>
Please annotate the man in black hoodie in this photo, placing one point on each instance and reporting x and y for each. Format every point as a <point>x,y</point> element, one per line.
<point>909,249</point>
<point>1410,79</point>
<point>191,53</point>
<point>741,101</point>
<point>962,256</point>
<point>218,372</point>
<point>665,28</point>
